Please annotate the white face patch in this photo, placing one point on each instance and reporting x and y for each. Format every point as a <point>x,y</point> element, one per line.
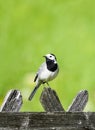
<point>51,57</point>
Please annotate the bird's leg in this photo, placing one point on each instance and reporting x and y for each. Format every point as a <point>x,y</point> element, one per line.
<point>43,84</point>
<point>48,84</point>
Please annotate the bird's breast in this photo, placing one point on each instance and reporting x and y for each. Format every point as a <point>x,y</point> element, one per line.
<point>47,75</point>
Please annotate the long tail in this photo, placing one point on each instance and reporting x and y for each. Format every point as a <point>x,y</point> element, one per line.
<point>33,92</point>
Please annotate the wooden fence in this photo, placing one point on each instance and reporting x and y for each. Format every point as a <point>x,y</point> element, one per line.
<point>54,118</point>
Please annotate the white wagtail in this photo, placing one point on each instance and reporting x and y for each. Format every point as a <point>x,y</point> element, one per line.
<point>47,72</point>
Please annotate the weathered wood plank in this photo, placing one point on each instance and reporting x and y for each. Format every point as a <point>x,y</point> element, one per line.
<point>50,101</point>
<point>47,121</point>
<point>79,102</point>
<point>12,102</point>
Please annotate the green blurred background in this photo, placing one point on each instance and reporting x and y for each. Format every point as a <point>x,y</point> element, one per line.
<point>30,29</point>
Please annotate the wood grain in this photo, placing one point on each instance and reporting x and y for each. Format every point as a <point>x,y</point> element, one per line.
<point>47,121</point>
<point>12,102</point>
<point>79,102</point>
<point>50,101</point>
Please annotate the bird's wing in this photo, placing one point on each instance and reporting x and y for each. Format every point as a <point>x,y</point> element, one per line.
<point>36,77</point>
<point>39,71</point>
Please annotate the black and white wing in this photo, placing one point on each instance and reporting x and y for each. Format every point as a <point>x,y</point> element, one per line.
<point>39,71</point>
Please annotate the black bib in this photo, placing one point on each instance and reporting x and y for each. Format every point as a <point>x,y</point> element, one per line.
<point>51,65</point>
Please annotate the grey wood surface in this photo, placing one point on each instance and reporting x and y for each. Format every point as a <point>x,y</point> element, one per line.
<point>79,102</point>
<point>50,101</point>
<point>12,102</point>
<point>54,119</point>
<point>47,121</point>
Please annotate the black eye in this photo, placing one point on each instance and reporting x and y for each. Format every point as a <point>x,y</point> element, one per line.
<point>50,56</point>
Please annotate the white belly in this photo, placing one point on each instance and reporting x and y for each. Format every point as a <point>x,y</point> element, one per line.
<point>47,75</point>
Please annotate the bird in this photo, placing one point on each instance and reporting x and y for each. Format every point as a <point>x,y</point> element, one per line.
<point>47,72</point>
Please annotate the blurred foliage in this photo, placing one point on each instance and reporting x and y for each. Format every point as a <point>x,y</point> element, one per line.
<point>30,29</point>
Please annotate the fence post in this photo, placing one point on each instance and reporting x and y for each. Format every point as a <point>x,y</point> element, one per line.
<point>50,101</point>
<point>12,102</point>
<point>79,102</point>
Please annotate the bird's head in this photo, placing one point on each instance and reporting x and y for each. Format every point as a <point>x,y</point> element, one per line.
<point>51,57</point>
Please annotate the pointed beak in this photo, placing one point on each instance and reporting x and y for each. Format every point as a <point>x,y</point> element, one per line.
<point>44,56</point>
